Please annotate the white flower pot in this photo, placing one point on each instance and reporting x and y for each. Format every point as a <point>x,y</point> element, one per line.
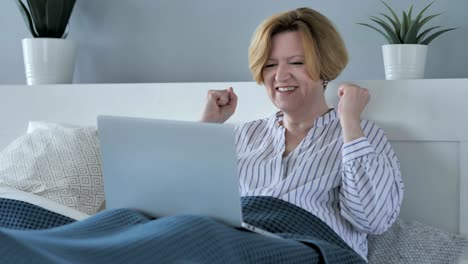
<point>404,61</point>
<point>49,60</point>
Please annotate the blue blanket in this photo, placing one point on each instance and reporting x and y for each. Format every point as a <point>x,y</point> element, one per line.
<point>21,215</point>
<point>127,236</point>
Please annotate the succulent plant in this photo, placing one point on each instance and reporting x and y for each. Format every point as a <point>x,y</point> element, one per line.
<point>47,18</point>
<point>406,30</point>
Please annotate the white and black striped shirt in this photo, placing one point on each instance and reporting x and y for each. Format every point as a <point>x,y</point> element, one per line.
<point>356,188</point>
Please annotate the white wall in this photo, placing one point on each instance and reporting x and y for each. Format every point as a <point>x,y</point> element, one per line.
<point>207,40</point>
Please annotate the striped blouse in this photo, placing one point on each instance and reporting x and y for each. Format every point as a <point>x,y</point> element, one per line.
<point>356,188</point>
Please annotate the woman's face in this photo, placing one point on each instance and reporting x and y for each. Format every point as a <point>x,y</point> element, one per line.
<point>285,75</point>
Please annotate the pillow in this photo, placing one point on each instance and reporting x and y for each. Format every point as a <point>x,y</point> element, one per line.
<point>34,125</point>
<point>61,164</point>
<point>414,242</point>
<point>49,205</point>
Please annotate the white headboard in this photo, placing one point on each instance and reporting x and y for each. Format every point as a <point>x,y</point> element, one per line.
<point>425,120</point>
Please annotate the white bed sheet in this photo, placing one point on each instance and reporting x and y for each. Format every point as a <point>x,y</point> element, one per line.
<point>10,193</point>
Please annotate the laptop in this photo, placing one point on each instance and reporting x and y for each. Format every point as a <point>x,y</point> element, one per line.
<point>166,167</point>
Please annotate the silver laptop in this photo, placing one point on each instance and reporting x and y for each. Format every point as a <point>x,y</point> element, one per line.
<point>166,167</point>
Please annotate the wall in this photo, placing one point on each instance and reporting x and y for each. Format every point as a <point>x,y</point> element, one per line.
<point>207,40</point>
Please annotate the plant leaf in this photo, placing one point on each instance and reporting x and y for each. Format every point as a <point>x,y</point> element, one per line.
<point>50,17</point>
<point>407,30</point>
<point>424,10</point>
<point>65,34</point>
<point>389,40</point>
<point>411,35</point>
<point>409,13</point>
<point>26,17</point>
<point>435,35</point>
<point>395,17</point>
<point>404,26</point>
<point>388,29</point>
<point>396,26</point>
<point>37,9</point>
<point>422,20</point>
<point>58,14</point>
<point>425,32</point>
<point>427,19</point>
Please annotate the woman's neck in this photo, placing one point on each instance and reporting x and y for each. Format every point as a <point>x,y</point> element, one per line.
<point>301,122</point>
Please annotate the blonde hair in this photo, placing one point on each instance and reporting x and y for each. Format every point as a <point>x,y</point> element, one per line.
<point>325,51</point>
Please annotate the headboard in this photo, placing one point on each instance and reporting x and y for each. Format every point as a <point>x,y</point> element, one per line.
<point>424,119</point>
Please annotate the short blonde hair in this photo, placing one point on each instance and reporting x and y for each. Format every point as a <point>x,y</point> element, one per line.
<point>325,51</point>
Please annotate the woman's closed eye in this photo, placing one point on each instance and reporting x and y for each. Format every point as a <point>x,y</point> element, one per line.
<point>271,65</point>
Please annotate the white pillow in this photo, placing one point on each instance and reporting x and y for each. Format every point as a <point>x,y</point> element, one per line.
<point>34,125</point>
<point>61,164</point>
<point>14,194</point>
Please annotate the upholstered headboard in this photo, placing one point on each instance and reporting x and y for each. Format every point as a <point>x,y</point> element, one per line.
<point>425,120</point>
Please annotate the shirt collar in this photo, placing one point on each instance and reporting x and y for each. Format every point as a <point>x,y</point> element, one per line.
<point>320,121</point>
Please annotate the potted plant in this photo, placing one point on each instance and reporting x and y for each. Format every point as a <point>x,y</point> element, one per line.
<point>405,55</point>
<point>48,57</point>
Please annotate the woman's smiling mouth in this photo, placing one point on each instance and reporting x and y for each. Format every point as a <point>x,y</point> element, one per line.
<point>286,88</point>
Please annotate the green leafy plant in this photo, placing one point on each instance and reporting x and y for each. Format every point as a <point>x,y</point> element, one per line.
<point>47,18</point>
<point>406,30</point>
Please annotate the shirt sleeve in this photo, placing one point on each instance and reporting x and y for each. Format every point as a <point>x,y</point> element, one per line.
<point>372,187</point>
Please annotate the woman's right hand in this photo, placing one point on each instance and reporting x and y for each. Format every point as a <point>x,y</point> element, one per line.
<point>220,106</point>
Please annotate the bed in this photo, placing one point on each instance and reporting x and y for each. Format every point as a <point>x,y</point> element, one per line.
<point>424,119</point>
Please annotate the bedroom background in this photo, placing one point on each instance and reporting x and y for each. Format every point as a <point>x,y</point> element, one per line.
<point>206,41</point>
<point>142,41</point>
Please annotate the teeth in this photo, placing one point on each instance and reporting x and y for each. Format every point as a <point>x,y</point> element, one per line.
<point>286,89</point>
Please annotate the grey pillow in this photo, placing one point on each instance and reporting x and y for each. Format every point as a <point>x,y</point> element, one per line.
<point>414,242</point>
<point>61,164</point>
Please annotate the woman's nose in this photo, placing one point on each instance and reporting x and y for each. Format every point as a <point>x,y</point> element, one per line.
<point>282,73</point>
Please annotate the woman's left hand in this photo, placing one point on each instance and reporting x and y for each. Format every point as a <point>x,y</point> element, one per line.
<point>353,100</point>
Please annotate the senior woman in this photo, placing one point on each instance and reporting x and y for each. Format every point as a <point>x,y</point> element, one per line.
<point>319,178</point>
<point>327,161</point>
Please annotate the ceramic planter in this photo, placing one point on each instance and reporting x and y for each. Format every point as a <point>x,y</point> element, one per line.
<point>49,60</point>
<point>404,61</point>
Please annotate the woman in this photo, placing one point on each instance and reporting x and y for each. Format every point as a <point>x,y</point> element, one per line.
<point>329,162</point>
<point>322,179</point>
